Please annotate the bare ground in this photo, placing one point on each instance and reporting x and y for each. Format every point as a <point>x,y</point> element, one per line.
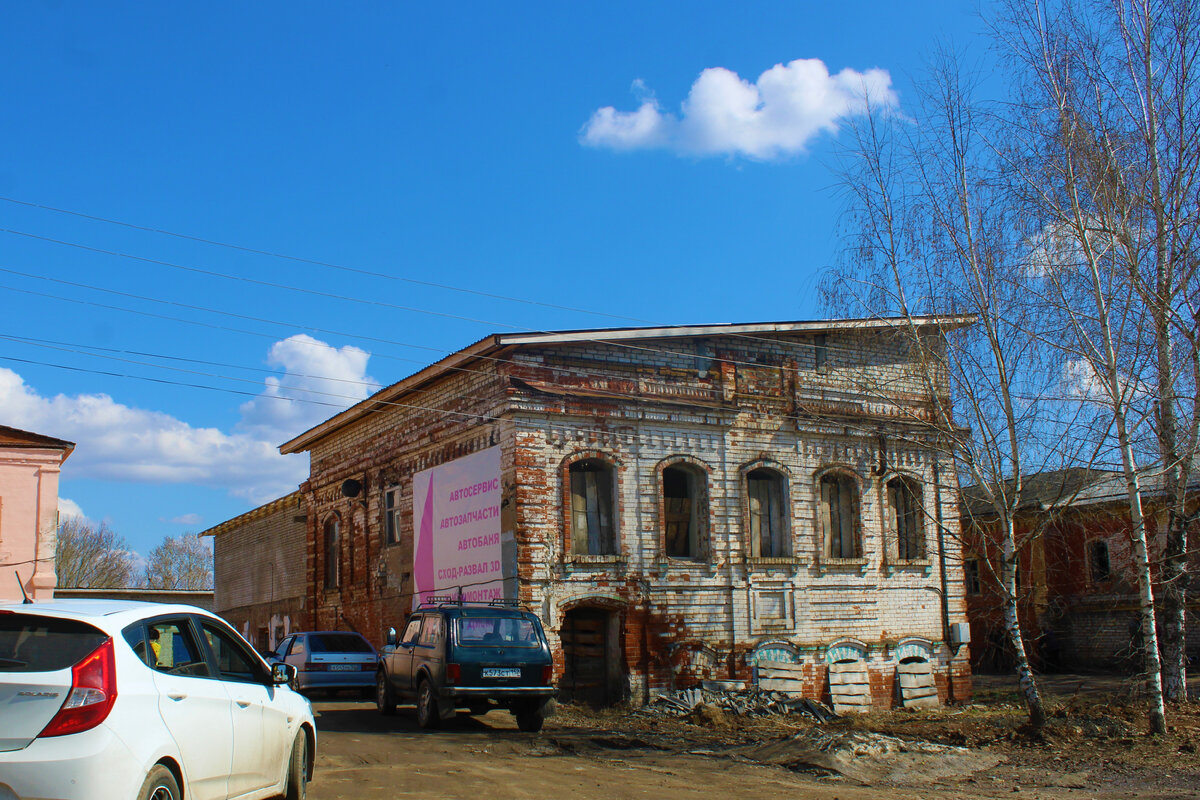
<point>1094,747</point>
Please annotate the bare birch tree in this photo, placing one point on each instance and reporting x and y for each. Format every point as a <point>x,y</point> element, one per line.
<point>934,231</point>
<point>90,556</point>
<point>1109,157</point>
<point>181,563</point>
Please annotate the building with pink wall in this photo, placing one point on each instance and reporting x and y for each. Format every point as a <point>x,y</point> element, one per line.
<point>29,468</point>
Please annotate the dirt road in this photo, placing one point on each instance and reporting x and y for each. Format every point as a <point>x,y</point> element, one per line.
<point>581,756</point>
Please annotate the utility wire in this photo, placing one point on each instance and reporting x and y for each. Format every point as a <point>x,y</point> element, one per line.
<point>343,267</point>
<point>316,262</point>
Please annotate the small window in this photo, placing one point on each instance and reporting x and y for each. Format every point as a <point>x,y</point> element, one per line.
<point>281,650</point>
<point>234,662</point>
<point>35,643</point>
<point>768,522</point>
<point>299,647</point>
<point>592,508</point>
<point>497,632</point>
<point>431,630</point>
<point>332,550</point>
<point>391,515</point>
<point>1098,558</point>
<point>908,518</point>
<point>174,650</point>
<point>839,516</point>
<point>971,576</point>
<point>411,631</point>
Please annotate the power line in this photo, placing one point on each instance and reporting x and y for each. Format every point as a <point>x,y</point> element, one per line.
<point>316,262</point>
<point>271,254</point>
<point>289,325</point>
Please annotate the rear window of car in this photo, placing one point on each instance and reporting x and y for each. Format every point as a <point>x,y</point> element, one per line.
<point>337,643</point>
<point>33,643</point>
<point>492,631</point>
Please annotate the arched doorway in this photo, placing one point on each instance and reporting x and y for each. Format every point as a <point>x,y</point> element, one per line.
<point>592,662</point>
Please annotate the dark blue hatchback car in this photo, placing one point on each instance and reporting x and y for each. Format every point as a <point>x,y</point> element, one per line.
<point>476,656</point>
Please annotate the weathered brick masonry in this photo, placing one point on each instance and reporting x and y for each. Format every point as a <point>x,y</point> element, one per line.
<point>259,580</point>
<point>696,437</point>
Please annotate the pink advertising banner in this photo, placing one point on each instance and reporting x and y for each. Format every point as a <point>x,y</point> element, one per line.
<point>456,518</point>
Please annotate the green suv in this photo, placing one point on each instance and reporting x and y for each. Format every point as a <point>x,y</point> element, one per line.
<point>477,656</point>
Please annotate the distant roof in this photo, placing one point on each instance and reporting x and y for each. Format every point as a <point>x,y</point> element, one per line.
<point>15,437</point>
<point>1076,486</point>
<point>278,504</point>
<point>497,341</point>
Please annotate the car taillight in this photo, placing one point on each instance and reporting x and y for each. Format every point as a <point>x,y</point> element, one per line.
<point>547,674</point>
<point>93,692</point>
<point>314,666</point>
<point>453,673</point>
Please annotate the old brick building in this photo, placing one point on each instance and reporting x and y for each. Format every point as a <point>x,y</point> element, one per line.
<point>676,503</point>
<point>258,570</point>
<point>1077,573</point>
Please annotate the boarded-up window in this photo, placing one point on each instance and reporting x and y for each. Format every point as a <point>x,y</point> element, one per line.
<point>768,523</point>
<point>592,508</point>
<point>682,488</point>
<point>391,515</point>
<point>839,516</point>
<point>332,551</point>
<point>908,518</point>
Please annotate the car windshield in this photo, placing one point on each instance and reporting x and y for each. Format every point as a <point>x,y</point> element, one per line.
<point>33,643</point>
<point>493,631</point>
<point>337,643</point>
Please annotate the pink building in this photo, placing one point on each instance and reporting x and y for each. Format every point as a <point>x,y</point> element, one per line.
<point>29,467</point>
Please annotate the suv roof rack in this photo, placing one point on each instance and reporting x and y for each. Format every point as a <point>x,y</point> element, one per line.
<point>434,601</point>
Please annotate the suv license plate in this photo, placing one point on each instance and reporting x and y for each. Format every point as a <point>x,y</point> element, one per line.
<point>343,667</point>
<point>501,672</point>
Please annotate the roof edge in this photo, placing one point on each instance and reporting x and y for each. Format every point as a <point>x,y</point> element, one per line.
<point>495,342</point>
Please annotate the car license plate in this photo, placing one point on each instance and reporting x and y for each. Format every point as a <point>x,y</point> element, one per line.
<point>501,672</point>
<point>343,667</point>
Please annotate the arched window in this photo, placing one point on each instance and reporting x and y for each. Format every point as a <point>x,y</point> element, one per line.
<point>908,517</point>
<point>839,516</point>
<point>765,490</point>
<point>332,552</point>
<point>683,488</point>
<point>592,525</point>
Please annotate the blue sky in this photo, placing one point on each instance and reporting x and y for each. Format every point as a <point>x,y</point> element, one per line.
<point>465,145</point>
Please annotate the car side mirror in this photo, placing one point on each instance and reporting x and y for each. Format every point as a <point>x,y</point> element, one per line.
<point>391,637</point>
<point>283,674</point>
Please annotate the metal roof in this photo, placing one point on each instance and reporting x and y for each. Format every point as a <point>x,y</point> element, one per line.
<point>491,344</point>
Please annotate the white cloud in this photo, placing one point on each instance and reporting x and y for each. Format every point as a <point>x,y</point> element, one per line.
<point>117,442</point>
<point>316,372</point>
<point>777,116</point>
<point>69,508</point>
<point>1082,382</point>
<point>184,519</point>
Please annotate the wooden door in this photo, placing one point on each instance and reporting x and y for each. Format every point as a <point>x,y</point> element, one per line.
<point>586,656</point>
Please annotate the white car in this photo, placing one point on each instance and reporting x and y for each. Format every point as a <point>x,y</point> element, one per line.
<point>110,699</point>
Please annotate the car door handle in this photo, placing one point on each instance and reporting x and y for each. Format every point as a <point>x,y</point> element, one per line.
<point>177,696</point>
<point>242,703</point>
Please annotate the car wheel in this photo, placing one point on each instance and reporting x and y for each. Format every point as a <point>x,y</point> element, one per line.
<point>297,775</point>
<point>427,706</point>
<point>385,699</point>
<point>160,784</point>
<point>530,721</point>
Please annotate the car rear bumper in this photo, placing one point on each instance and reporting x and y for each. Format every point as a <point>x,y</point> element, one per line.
<point>306,681</point>
<point>92,765</point>
<point>498,692</point>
